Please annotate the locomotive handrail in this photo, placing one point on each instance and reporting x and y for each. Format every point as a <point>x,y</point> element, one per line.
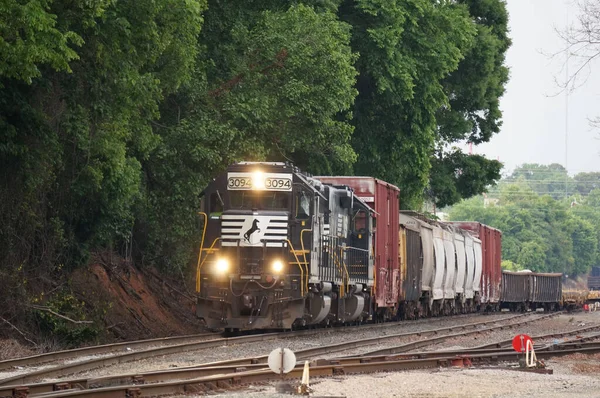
<point>201,248</point>
<point>337,263</point>
<point>341,261</point>
<point>201,264</point>
<point>357,258</point>
<point>304,252</point>
<point>299,266</point>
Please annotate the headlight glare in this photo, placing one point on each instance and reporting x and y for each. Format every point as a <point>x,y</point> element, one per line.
<point>277,266</point>
<point>222,265</point>
<point>258,180</point>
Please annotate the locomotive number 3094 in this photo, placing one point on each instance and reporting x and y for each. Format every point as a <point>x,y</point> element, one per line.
<point>239,183</point>
<point>278,183</point>
<point>269,183</point>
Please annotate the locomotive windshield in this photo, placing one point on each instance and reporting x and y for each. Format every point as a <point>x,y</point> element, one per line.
<point>259,200</point>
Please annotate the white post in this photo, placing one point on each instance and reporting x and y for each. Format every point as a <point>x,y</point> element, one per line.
<point>529,348</point>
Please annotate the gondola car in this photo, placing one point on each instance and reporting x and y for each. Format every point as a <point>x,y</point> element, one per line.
<point>526,290</point>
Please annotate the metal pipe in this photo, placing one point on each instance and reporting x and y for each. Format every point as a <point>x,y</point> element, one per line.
<point>200,253</point>
<point>201,264</point>
<point>299,266</point>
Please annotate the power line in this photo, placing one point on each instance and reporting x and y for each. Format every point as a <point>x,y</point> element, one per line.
<point>548,182</point>
<point>567,102</point>
<point>562,171</point>
<point>534,193</point>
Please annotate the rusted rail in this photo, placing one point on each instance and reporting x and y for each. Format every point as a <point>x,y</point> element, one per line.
<point>507,342</point>
<point>116,347</point>
<point>345,366</point>
<point>196,370</point>
<point>417,344</point>
<point>177,348</point>
<point>99,349</point>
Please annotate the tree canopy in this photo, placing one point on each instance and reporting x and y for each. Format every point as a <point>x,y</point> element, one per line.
<point>115,114</point>
<point>543,230</point>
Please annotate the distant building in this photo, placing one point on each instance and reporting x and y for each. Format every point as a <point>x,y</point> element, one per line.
<point>487,202</point>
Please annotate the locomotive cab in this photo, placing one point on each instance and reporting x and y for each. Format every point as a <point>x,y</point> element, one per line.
<point>281,248</point>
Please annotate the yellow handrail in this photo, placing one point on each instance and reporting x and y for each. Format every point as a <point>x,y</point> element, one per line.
<point>347,273</point>
<point>202,263</point>
<point>299,266</point>
<point>201,248</point>
<point>338,262</point>
<point>304,253</point>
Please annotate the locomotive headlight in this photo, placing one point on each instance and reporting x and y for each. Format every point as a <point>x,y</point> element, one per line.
<point>258,180</point>
<point>277,266</point>
<point>222,266</point>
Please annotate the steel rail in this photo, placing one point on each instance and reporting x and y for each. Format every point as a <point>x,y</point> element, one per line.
<point>309,352</point>
<point>109,348</point>
<point>503,343</point>
<point>130,356</point>
<point>306,353</point>
<point>177,348</point>
<point>94,350</point>
<point>333,368</point>
<point>420,343</point>
<point>459,352</point>
<point>191,373</point>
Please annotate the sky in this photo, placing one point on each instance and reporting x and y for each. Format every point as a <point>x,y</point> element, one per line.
<point>534,116</point>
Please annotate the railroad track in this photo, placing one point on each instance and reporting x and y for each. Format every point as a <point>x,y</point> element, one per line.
<point>208,369</point>
<point>193,343</point>
<point>98,350</point>
<point>417,344</point>
<point>323,368</point>
<point>116,347</point>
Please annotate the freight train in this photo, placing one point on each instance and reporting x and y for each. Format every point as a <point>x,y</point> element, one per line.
<point>281,248</point>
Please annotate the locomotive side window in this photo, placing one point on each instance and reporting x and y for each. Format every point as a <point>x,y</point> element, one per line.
<point>302,205</point>
<point>360,221</point>
<point>216,205</point>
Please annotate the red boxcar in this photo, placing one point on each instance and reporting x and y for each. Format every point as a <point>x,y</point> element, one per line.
<point>384,198</point>
<point>491,246</point>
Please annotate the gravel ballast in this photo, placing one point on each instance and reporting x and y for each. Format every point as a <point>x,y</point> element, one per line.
<point>574,375</point>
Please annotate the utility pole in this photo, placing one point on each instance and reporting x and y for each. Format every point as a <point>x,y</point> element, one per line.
<point>567,105</point>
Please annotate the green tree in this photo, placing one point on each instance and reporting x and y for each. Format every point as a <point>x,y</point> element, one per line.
<point>456,175</point>
<point>584,183</point>
<point>30,39</point>
<point>472,112</point>
<point>550,179</point>
<point>269,84</point>
<point>76,122</point>
<point>539,232</point>
<point>510,266</point>
<point>406,50</point>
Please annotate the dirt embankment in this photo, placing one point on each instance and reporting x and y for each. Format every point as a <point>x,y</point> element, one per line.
<point>137,304</point>
<point>124,302</point>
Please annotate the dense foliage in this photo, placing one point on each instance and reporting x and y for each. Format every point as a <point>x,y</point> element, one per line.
<point>545,227</point>
<point>114,114</point>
